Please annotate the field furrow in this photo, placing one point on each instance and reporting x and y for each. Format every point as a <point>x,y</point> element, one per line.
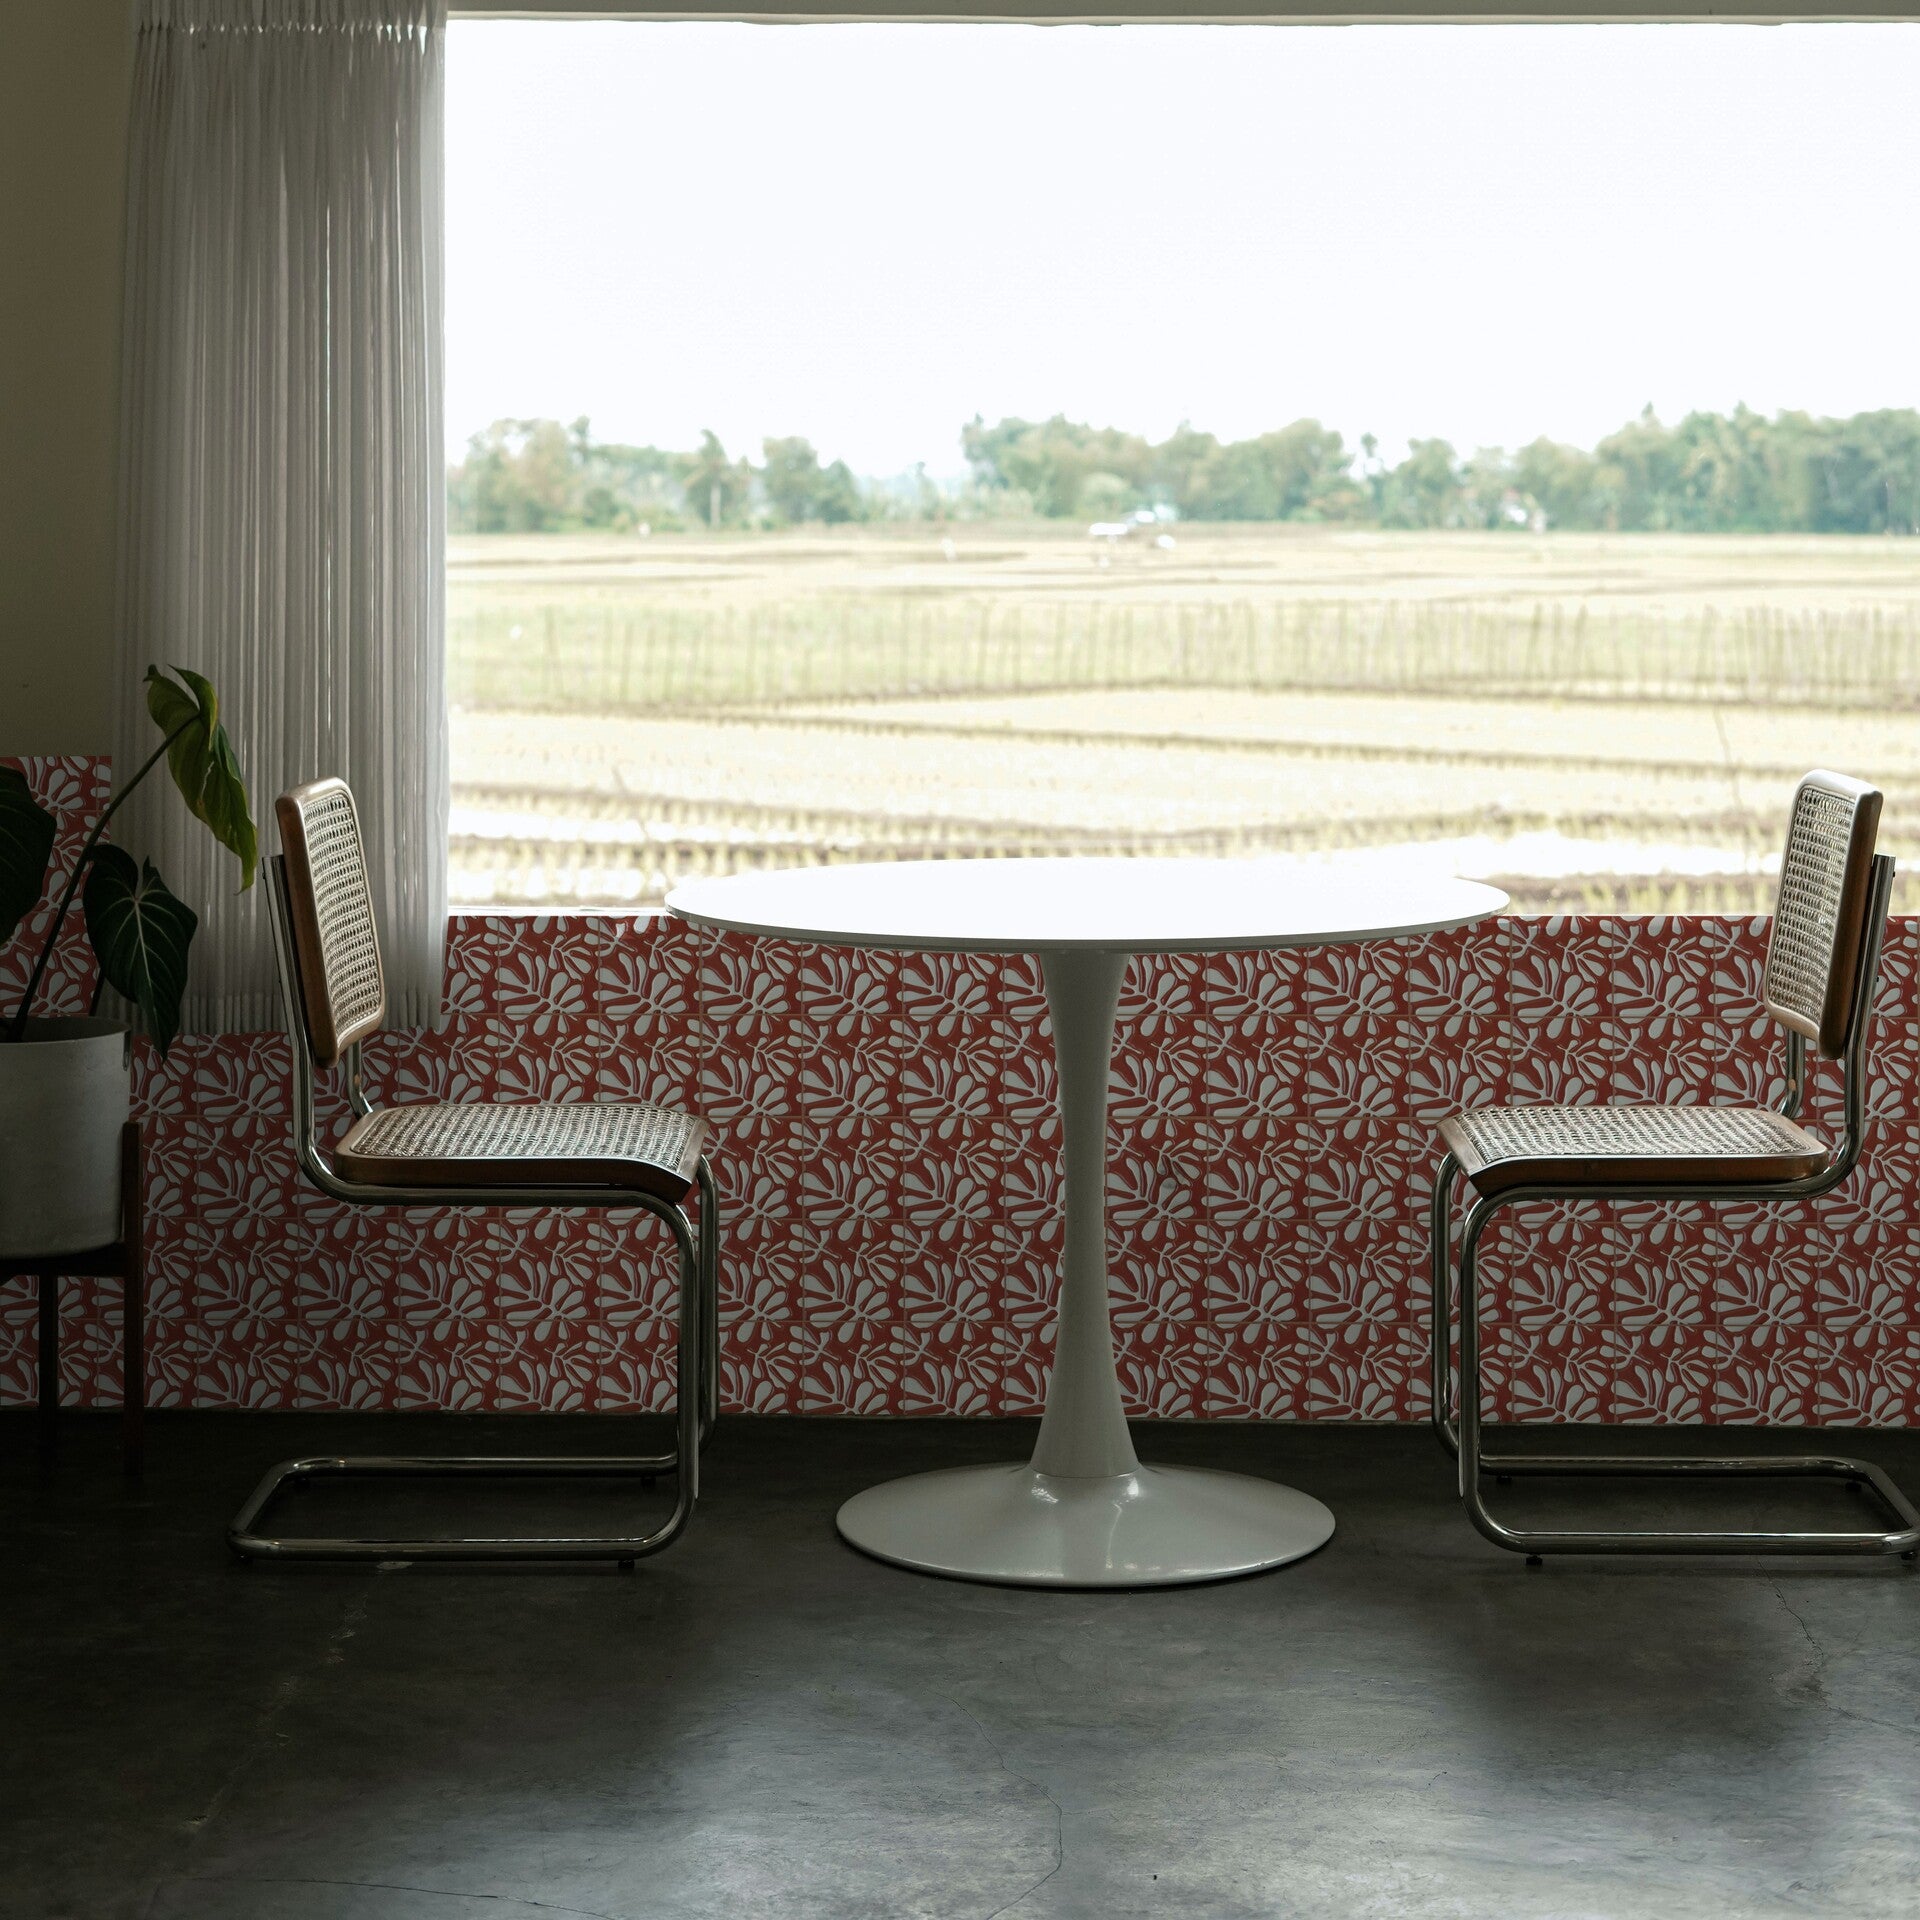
<point>1593,721</point>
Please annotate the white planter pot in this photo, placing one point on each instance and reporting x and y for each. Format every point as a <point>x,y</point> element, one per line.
<point>64,1095</point>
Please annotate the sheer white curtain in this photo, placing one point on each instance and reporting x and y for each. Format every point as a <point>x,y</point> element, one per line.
<point>283,518</point>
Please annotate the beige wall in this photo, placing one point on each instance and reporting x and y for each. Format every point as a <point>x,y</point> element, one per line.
<point>64,85</point>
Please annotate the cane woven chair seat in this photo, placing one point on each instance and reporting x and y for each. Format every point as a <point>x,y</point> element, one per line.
<point>587,1143</point>
<point>1501,1147</point>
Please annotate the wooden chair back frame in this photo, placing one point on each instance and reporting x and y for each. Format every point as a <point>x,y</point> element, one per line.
<point>1811,984</point>
<point>342,993</point>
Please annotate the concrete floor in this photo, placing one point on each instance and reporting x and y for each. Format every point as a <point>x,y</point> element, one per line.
<point>761,1722</point>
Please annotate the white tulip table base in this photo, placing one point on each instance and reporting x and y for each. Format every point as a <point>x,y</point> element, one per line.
<point>1153,1527</point>
<point>1083,1512</point>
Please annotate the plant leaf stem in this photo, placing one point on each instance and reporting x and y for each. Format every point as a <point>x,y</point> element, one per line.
<point>17,1026</point>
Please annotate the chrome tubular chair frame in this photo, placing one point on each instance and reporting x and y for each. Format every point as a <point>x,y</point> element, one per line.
<point>1461,1435</point>
<point>697,1357</point>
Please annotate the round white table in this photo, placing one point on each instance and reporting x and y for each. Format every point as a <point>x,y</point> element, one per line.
<point>1083,1512</point>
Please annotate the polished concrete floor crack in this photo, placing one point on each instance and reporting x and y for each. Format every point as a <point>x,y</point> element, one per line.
<point>505,1904</point>
<point>1059,1812</point>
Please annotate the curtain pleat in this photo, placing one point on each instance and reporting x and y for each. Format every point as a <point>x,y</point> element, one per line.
<point>283,486</point>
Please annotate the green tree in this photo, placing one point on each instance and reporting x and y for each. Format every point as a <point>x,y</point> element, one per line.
<point>1107,496</point>
<point>535,476</point>
<point>1560,481</point>
<point>1637,484</point>
<point>1424,490</point>
<point>800,489</point>
<point>622,487</point>
<point>1738,472</point>
<point>1490,493</point>
<point>1051,461</point>
<point>1865,474</point>
<point>1180,463</point>
<point>1302,471</point>
<point>516,478</point>
<point>719,491</point>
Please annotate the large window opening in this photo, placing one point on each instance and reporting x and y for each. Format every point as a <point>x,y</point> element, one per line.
<point>1488,446</point>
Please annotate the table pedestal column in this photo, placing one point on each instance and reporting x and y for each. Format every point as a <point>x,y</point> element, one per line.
<point>1084,1512</point>
<point>1083,1434</point>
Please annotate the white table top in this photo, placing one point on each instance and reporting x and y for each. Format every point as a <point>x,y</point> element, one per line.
<point>1111,906</point>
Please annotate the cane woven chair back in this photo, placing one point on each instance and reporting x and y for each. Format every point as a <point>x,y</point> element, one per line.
<point>343,995</point>
<point>1820,913</point>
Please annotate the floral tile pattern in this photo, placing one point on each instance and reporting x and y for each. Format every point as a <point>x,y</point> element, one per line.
<point>887,1149</point>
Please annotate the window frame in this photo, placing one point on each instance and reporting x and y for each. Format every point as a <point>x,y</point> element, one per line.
<point>1225,13</point>
<point>1218,12</point>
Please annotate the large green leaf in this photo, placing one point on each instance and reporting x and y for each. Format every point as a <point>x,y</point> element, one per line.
<point>141,933</point>
<point>26,842</point>
<point>203,763</point>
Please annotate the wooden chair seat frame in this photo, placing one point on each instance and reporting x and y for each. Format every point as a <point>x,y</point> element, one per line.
<point>696,1359</point>
<point>1457,1421</point>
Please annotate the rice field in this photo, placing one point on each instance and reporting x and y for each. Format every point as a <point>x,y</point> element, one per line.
<point>1595,722</point>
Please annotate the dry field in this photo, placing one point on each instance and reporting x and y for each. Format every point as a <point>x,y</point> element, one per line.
<point>1599,722</point>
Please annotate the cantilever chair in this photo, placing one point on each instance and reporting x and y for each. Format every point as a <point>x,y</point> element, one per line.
<point>1823,959</point>
<point>584,1154</point>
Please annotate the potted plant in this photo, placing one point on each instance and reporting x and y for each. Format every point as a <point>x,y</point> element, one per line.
<point>64,1085</point>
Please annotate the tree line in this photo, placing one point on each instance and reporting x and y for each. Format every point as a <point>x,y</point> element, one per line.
<point>1739,472</point>
<point>536,476</point>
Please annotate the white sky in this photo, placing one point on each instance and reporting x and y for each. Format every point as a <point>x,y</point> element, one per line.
<point>867,234</point>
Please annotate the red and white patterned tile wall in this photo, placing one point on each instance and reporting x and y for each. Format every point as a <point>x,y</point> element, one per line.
<point>887,1151</point>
